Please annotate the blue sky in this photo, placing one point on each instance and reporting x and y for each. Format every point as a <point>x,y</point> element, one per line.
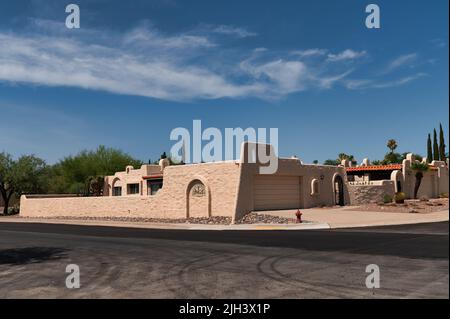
<point>138,69</point>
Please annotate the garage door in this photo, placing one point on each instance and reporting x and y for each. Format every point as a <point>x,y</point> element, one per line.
<point>276,192</point>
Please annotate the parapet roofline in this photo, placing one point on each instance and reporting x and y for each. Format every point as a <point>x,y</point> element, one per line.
<point>389,167</point>
<point>374,168</point>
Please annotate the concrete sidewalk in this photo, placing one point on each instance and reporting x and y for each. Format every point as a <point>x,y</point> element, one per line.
<point>178,226</point>
<point>315,218</point>
<point>343,217</point>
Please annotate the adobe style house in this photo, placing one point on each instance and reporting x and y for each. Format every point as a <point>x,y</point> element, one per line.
<point>228,188</point>
<point>235,188</point>
<point>368,183</point>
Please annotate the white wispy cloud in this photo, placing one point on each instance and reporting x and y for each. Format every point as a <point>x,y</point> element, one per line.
<point>58,61</point>
<point>309,52</point>
<point>380,84</point>
<point>147,62</point>
<point>346,55</point>
<point>232,30</point>
<point>401,61</point>
<point>439,43</point>
<point>287,76</point>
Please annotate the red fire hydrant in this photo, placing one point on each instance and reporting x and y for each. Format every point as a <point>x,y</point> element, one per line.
<point>299,216</point>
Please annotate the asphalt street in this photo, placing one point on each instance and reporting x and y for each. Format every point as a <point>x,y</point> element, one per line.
<point>145,263</point>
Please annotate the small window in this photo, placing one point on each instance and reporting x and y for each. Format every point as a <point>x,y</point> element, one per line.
<point>133,189</point>
<point>117,191</point>
<point>154,186</point>
<point>315,187</point>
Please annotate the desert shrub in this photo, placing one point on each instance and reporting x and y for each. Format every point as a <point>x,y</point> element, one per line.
<point>443,195</point>
<point>399,197</point>
<point>387,199</point>
<point>13,210</point>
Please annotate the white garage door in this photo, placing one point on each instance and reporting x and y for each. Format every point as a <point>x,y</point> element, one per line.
<point>276,192</point>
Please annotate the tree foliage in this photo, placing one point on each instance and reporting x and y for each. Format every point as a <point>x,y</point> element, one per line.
<point>429,150</point>
<point>435,147</point>
<point>26,175</point>
<point>392,145</point>
<point>339,159</point>
<point>419,168</point>
<point>74,173</point>
<point>442,156</point>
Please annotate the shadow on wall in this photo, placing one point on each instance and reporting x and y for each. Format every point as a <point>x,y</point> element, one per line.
<point>31,255</point>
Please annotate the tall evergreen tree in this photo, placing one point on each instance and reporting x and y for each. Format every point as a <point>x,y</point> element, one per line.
<point>429,150</point>
<point>441,144</point>
<point>435,147</point>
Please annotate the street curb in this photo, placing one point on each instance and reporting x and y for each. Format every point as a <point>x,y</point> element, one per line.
<point>257,227</point>
<point>409,222</point>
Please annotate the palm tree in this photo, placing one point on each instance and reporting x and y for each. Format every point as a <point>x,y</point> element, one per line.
<point>392,145</point>
<point>419,168</point>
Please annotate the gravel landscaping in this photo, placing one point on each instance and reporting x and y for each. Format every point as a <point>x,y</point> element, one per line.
<point>256,218</point>
<point>216,220</point>
<point>410,206</point>
<point>252,218</point>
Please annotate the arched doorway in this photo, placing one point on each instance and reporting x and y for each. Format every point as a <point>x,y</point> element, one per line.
<point>338,186</point>
<point>197,199</point>
<point>116,187</point>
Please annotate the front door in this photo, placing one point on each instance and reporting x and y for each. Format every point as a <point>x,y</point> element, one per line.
<point>339,191</point>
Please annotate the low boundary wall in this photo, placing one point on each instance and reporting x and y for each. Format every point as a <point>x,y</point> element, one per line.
<point>365,193</point>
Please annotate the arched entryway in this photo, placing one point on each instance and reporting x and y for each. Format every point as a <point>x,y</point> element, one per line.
<point>198,199</point>
<point>338,186</point>
<point>116,187</point>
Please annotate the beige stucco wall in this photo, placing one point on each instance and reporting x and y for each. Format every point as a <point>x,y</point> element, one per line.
<point>370,192</point>
<point>434,182</point>
<point>291,167</point>
<point>220,179</point>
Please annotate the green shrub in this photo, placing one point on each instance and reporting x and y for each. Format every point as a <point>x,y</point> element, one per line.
<point>387,199</point>
<point>443,195</point>
<point>399,197</point>
<point>13,210</point>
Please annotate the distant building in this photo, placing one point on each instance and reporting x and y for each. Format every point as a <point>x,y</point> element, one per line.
<point>368,182</point>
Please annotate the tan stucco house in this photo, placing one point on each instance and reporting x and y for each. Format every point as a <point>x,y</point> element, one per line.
<point>235,188</point>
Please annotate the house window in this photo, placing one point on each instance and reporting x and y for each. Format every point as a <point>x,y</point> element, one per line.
<point>315,187</point>
<point>117,191</point>
<point>153,186</point>
<point>133,189</point>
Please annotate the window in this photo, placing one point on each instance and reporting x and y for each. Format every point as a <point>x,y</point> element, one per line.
<point>315,187</point>
<point>153,186</point>
<point>133,189</point>
<point>117,191</point>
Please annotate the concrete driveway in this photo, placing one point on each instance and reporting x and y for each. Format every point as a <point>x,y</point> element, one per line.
<point>348,216</point>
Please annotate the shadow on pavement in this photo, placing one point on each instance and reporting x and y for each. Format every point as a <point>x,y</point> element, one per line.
<point>30,255</point>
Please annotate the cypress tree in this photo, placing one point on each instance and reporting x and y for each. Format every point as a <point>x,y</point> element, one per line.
<point>435,147</point>
<point>429,150</point>
<point>441,144</point>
